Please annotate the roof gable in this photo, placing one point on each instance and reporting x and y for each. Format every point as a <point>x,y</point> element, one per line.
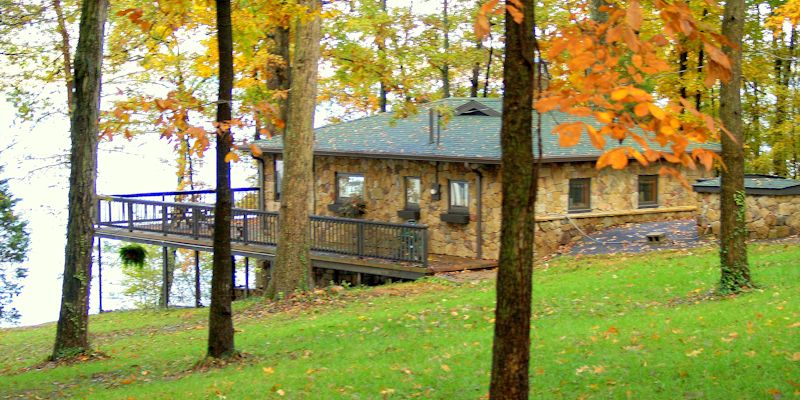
<point>473,107</point>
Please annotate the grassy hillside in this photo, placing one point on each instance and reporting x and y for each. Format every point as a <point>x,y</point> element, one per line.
<point>604,327</point>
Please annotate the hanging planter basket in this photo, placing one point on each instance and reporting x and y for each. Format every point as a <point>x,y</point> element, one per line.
<point>133,255</point>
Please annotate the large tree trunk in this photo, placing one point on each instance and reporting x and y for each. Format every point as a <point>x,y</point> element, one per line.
<point>278,79</point>
<point>292,269</point>
<point>73,321</point>
<point>735,273</point>
<point>220,321</point>
<point>511,349</point>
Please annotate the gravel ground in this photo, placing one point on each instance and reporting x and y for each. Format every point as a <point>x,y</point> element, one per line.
<point>632,238</point>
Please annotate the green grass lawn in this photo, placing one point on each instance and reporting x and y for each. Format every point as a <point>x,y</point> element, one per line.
<point>604,327</point>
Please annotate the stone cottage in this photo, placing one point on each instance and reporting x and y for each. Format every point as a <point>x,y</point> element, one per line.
<point>441,168</point>
<point>772,204</point>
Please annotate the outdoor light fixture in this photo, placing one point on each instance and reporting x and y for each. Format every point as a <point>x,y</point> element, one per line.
<point>435,194</point>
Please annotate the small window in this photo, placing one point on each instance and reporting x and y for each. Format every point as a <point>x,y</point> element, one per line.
<point>648,190</point>
<point>413,192</point>
<point>459,196</point>
<point>349,186</point>
<point>278,178</point>
<point>579,194</point>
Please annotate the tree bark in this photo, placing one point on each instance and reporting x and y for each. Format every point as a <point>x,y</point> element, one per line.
<point>73,321</point>
<point>735,272</point>
<point>383,92</point>
<point>278,79</point>
<point>476,73</point>
<point>62,31</point>
<point>511,349</point>
<point>445,69</point>
<point>292,268</point>
<point>220,315</point>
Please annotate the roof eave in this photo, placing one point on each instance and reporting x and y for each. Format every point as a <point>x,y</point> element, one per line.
<point>423,157</point>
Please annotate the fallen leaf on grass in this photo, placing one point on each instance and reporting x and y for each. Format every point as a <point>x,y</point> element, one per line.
<point>694,353</point>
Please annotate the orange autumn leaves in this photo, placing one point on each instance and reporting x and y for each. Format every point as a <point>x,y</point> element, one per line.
<point>601,70</point>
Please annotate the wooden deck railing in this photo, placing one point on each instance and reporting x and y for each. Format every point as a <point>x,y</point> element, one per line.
<point>345,236</point>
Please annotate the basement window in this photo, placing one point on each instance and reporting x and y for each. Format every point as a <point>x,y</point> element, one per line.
<point>648,191</point>
<point>579,195</point>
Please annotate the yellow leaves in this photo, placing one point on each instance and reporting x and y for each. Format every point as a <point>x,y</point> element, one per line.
<point>633,16</point>
<point>795,356</point>
<point>616,158</point>
<point>231,157</point>
<point>547,104</point>
<point>605,117</point>
<point>514,11</point>
<point>482,25</point>
<point>445,367</point>
<point>641,109</point>
<point>637,61</point>
<point>598,141</point>
<point>694,353</point>
<point>595,369</point>
<point>255,150</point>
<point>268,370</point>
<point>569,133</point>
<point>657,112</point>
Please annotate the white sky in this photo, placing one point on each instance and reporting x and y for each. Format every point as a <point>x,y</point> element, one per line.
<point>144,165</point>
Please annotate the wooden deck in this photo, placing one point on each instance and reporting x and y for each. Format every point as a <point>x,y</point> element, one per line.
<point>437,263</point>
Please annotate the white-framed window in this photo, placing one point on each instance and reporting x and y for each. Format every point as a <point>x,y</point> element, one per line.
<point>349,186</point>
<point>459,196</point>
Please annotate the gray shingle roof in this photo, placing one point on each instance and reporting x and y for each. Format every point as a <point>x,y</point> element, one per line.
<point>474,138</point>
<point>755,184</point>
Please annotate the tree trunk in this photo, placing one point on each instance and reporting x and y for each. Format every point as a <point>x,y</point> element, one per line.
<point>220,321</point>
<point>476,73</point>
<point>511,349</point>
<point>168,276</point>
<point>278,77</point>
<point>777,137</point>
<point>292,268</point>
<point>445,69</point>
<point>62,31</point>
<point>735,273</point>
<point>683,60</point>
<point>488,67</point>
<point>698,95</point>
<point>382,99</point>
<point>73,321</point>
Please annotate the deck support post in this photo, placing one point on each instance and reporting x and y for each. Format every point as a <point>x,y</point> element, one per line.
<point>233,278</point>
<point>164,277</point>
<point>197,295</point>
<point>99,275</point>
<point>247,277</point>
<point>358,279</point>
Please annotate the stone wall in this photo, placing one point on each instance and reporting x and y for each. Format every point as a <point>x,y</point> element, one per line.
<point>613,199</point>
<point>768,217</point>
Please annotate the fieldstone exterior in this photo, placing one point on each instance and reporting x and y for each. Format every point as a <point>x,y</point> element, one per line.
<point>614,198</point>
<point>768,217</point>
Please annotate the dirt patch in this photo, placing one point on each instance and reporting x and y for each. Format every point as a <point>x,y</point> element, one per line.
<point>469,276</point>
